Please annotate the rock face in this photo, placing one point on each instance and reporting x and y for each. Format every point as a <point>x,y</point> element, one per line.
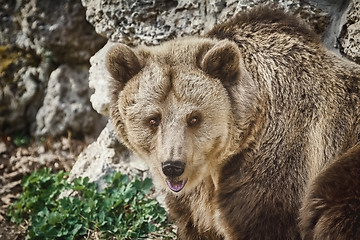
<point>98,80</point>
<point>21,91</point>
<point>55,29</point>
<point>105,156</point>
<point>36,37</point>
<point>66,105</point>
<point>153,21</point>
<point>350,33</point>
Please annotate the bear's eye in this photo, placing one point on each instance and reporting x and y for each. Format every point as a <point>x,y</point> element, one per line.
<point>193,121</point>
<point>154,122</point>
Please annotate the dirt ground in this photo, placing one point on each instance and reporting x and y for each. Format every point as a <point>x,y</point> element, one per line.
<point>16,162</point>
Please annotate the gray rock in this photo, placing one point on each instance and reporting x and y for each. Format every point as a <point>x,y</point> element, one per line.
<point>54,29</point>
<point>153,21</point>
<point>3,147</point>
<point>17,101</point>
<point>66,104</point>
<point>8,26</point>
<point>349,38</point>
<point>36,36</point>
<point>22,80</point>
<point>105,156</point>
<point>99,80</point>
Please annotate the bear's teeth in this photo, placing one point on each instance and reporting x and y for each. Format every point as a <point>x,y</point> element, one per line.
<point>176,186</point>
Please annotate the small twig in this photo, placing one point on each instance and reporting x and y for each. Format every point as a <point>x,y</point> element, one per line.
<point>69,141</point>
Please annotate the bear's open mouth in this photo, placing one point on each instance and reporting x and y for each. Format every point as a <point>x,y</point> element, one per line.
<point>174,185</point>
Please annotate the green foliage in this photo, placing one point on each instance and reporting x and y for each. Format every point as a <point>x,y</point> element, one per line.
<point>121,211</point>
<point>20,139</point>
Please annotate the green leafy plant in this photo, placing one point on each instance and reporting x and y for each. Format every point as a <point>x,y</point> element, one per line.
<point>121,211</point>
<point>20,139</point>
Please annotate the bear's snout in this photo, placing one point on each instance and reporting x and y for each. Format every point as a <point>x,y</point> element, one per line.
<point>173,169</point>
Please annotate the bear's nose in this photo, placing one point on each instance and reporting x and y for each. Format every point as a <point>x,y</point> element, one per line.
<point>173,169</point>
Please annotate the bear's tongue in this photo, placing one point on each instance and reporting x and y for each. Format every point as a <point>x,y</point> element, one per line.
<point>175,186</point>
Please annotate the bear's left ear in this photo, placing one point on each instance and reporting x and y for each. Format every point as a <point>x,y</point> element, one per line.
<point>222,61</point>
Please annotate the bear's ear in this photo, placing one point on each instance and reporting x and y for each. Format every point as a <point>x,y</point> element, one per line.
<point>122,63</point>
<point>222,61</point>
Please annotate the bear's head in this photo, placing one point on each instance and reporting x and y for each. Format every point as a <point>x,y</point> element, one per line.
<point>171,106</point>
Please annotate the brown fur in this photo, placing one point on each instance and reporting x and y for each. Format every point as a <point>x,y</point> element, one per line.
<point>332,207</point>
<point>254,111</point>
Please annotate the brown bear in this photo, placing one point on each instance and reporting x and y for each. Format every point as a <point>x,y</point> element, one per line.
<point>333,201</point>
<point>236,125</point>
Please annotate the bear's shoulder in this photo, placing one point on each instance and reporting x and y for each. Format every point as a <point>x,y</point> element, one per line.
<point>264,19</point>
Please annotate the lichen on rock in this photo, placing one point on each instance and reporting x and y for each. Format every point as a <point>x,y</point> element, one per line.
<point>20,87</point>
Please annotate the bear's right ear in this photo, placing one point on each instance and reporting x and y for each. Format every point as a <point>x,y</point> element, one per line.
<point>222,61</point>
<point>122,63</point>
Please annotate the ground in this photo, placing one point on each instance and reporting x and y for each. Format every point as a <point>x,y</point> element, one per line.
<point>16,162</point>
